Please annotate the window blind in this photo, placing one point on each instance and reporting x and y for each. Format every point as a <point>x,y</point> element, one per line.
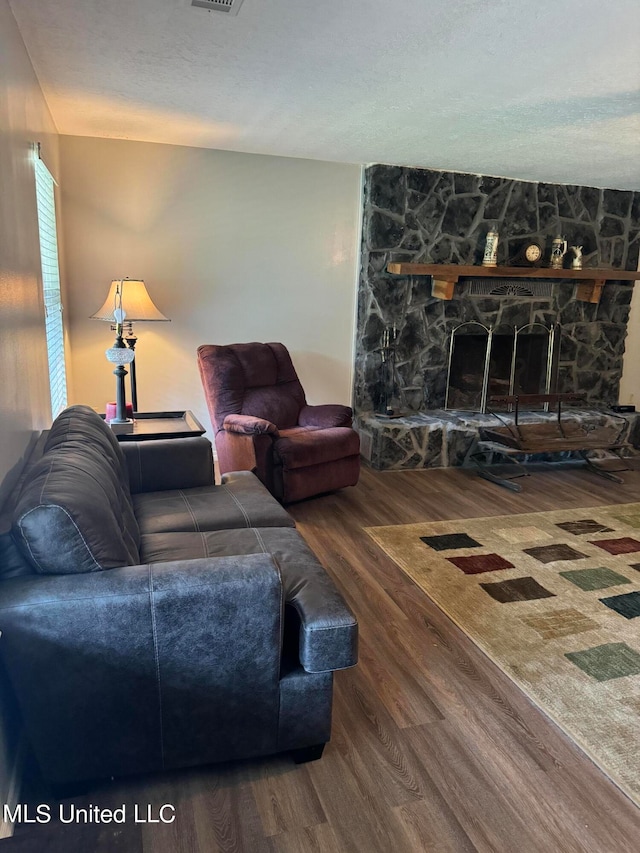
<point>51,287</point>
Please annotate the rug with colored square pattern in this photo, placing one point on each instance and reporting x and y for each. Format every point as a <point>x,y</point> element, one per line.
<point>553,598</point>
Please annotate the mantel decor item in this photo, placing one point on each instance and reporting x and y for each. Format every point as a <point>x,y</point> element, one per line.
<point>558,251</point>
<point>576,263</point>
<point>490,258</point>
<point>132,297</point>
<point>529,255</point>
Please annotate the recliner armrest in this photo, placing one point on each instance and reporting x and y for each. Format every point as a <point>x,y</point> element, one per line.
<point>176,463</point>
<point>248,425</point>
<point>328,415</point>
<point>145,667</point>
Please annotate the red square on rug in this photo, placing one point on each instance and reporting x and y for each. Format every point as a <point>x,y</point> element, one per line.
<point>479,563</point>
<point>626,545</point>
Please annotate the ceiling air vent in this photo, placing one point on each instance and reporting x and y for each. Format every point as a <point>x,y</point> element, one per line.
<point>230,7</point>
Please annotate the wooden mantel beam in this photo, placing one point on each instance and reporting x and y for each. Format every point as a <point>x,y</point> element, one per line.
<point>445,276</point>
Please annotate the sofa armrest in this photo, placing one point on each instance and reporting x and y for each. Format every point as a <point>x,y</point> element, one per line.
<point>176,463</point>
<point>317,618</point>
<point>145,667</point>
<point>323,417</point>
<point>248,425</point>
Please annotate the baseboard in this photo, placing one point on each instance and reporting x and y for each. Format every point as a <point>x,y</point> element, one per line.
<point>13,789</point>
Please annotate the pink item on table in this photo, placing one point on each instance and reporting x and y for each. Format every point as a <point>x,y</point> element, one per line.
<point>111,411</point>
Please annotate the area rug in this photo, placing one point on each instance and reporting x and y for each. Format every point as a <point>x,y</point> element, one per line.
<point>553,598</point>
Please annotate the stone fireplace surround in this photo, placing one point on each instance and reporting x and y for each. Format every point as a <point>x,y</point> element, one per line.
<point>427,216</point>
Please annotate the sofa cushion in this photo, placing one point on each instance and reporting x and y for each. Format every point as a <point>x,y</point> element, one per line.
<point>71,516</point>
<point>80,426</point>
<point>240,501</point>
<point>328,630</point>
<point>301,447</point>
<point>81,423</point>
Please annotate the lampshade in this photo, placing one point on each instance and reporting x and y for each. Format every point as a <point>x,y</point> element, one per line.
<point>136,303</point>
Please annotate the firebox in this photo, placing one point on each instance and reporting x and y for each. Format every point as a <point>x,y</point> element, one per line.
<point>484,362</point>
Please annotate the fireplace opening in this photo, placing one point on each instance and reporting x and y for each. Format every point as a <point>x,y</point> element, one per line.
<point>485,364</point>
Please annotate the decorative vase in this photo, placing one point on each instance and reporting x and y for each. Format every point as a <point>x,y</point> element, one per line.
<point>576,263</point>
<point>490,258</point>
<point>558,251</point>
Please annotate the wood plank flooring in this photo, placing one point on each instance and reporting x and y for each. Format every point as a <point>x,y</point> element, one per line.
<point>433,748</point>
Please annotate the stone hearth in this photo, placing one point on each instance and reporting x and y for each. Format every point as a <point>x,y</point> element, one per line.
<point>441,438</point>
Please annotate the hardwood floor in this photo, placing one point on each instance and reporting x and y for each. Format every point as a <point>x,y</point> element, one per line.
<point>433,748</point>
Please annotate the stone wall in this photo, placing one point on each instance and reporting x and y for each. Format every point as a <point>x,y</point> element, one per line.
<point>426,216</point>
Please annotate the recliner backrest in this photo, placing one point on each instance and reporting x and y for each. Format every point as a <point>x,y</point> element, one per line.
<point>251,379</point>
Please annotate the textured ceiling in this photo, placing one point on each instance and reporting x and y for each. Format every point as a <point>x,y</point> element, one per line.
<point>546,91</point>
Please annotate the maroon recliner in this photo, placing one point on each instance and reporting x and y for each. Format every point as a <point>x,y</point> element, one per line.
<point>262,422</point>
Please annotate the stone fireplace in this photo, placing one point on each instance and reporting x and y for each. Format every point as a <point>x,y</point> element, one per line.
<point>427,216</point>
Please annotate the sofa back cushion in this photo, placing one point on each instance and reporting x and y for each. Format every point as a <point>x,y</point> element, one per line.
<point>75,513</point>
<point>80,427</point>
<point>82,424</point>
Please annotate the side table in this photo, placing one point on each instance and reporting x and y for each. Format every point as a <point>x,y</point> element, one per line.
<point>148,426</point>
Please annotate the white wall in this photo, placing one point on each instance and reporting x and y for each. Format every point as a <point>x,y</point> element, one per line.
<point>233,247</point>
<point>25,406</point>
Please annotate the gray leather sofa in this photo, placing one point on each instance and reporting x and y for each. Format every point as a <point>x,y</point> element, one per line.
<point>151,619</point>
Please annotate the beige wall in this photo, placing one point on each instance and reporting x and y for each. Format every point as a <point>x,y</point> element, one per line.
<point>24,120</point>
<point>233,247</point>
<point>24,396</point>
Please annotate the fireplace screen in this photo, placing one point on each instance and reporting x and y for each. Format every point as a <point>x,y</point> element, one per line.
<point>484,363</point>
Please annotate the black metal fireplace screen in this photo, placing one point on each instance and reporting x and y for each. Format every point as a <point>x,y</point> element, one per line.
<point>484,362</point>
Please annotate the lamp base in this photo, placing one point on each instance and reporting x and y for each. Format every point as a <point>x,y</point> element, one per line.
<point>112,410</point>
<point>121,428</point>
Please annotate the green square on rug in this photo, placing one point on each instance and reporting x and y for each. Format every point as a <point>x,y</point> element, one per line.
<point>612,660</point>
<point>599,578</point>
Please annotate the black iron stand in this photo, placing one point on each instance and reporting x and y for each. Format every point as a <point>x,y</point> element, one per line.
<point>121,408</point>
<point>387,352</point>
<point>132,340</point>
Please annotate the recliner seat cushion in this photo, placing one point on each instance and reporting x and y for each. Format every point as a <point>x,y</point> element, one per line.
<point>240,501</point>
<point>304,446</point>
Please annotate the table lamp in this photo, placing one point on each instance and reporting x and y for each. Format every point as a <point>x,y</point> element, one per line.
<point>119,354</point>
<point>131,297</point>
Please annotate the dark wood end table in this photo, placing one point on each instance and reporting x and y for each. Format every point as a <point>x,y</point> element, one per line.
<point>150,426</point>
